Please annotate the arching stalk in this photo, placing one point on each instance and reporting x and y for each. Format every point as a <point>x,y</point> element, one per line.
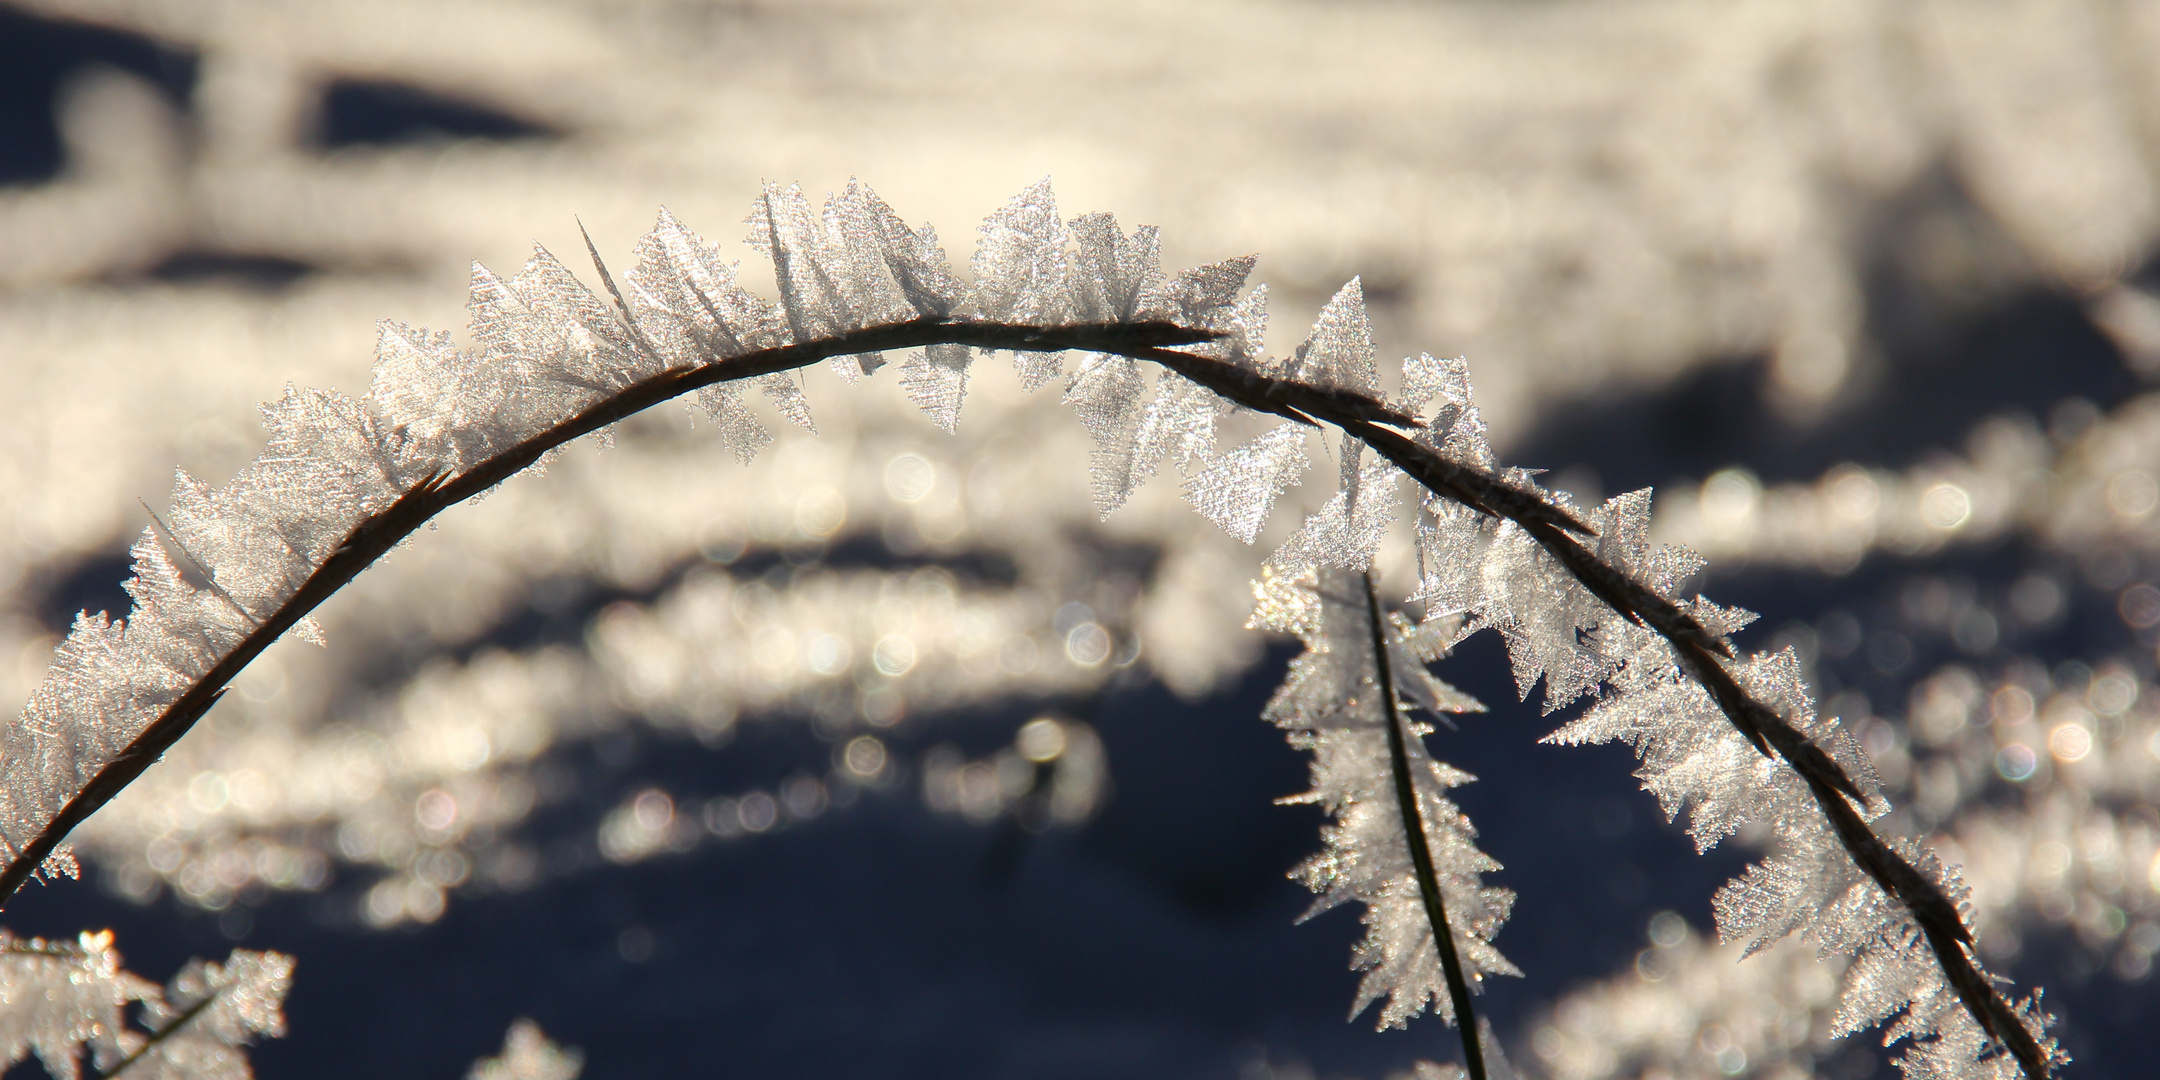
<point>1702,655</point>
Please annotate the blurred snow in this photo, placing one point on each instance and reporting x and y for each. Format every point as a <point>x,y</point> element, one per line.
<point>1602,205</point>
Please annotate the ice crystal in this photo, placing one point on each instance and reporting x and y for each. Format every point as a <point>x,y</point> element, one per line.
<point>1339,353</point>
<point>58,997</point>
<point>1178,424</point>
<point>1237,489</point>
<point>1207,295</point>
<point>936,381</point>
<point>1115,277</point>
<point>835,269</point>
<point>687,304</point>
<point>209,1012</point>
<point>1346,531</point>
<point>528,1054</point>
<point>1330,704</point>
<point>1455,427</point>
<point>1105,392</point>
<point>1020,275</point>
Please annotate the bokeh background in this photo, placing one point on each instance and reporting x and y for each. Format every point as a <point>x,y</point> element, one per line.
<point>714,770</point>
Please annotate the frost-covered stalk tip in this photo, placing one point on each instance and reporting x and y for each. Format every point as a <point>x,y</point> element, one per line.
<point>1398,843</point>
<point>1584,605</point>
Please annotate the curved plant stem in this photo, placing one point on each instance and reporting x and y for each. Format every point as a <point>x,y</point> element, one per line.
<point>1702,654</point>
<point>374,536</point>
<point>1413,821</point>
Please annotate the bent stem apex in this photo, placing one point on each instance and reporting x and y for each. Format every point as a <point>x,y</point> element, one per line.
<point>1413,820</point>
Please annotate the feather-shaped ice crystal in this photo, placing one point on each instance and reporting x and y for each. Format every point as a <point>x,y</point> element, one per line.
<point>1331,705</point>
<point>1237,490</point>
<point>1020,275</point>
<point>1105,392</point>
<point>1339,353</point>
<point>1347,531</point>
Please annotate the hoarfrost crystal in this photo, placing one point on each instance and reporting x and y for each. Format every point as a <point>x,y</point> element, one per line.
<point>57,998</point>
<point>209,1012</point>
<point>1237,489</point>
<point>550,357</point>
<point>1330,703</point>
<point>528,1054</point>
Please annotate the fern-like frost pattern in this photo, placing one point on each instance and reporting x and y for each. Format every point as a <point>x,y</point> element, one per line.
<point>1330,704</point>
<point>1237,489</point>
<point>63,998</point>
<point>209,1012</point>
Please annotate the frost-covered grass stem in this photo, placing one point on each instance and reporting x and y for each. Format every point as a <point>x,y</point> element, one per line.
<point>378,534</point>
<point>1551,526</point>
<point>1703,654</point>
<point>1834,792</point>
<point>345,482</point>
<point>150,1044</point>
<point>1413,822</point>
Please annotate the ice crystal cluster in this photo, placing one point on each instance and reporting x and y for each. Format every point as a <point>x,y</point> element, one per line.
<point>1331,704</point>
<point>344,480</point>
<point>58,999</point>
<point>1696,761</point>
<point>545,350</point>
<point>2036,778</point>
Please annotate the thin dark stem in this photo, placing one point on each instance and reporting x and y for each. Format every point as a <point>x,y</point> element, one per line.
<point>376,535</point>
<point>161,1034</point>
<point>1702,654</point>
<point>1413,819</point>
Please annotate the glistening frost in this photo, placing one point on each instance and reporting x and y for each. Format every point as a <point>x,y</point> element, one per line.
<point>1585,605</point>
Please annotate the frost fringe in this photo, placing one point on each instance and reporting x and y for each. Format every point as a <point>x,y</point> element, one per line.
<point>1398,844</point>
<point>69,996</point>
<point>344,481</point>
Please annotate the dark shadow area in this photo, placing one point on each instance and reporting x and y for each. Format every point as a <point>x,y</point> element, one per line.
<point>1587,851</point>
<point>1956,333</point>
<point>358,112</point>
<point>38,54</point>
<point>262,273</point>
<point>1879,595</point>
<point>1193,815</point>
<point>2032,352</point>
<point>92,585</point>
<point>1157,941</point>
